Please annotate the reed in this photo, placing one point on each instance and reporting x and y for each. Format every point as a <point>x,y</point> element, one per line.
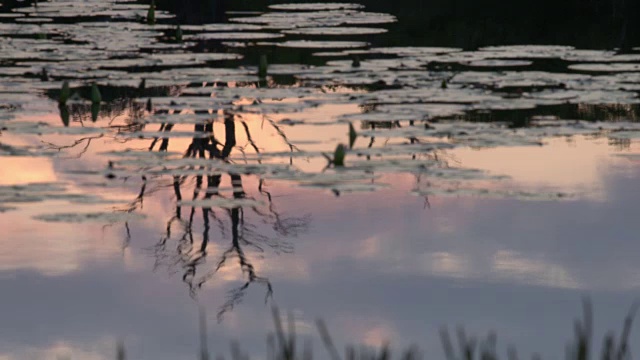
<point>262,67</point>
<point>151,14</point>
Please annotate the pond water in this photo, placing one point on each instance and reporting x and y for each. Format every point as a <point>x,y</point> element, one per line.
<point>319,157</point>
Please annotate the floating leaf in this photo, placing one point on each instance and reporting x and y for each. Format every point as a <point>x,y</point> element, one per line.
<point>101,217</point>
<point>4,209</point>
<point>316,6</point>
<point>337,30</point>
<point>499,63</point>
<point>226,36</point>
<point>347,187</point>
<point>308,44</point>
<point>496,194</point>
<point>605,67</point>
<point>221,202</point>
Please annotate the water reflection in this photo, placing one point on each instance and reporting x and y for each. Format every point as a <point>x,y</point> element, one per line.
<point>228,220</point>
<point>235,172</point>
<point>460,249</point>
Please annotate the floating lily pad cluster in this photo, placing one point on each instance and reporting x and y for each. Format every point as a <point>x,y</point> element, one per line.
<point>193,112</point>
<point>40,192</point>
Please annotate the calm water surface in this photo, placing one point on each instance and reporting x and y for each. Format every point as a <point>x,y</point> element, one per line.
<point>489,187</point>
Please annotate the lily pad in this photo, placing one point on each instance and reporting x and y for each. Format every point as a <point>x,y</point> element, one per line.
<point>495,194</point>
<point>310,44</point>
<point>100,217</point>
<point>499,63</point>
<point>337,30</point>
<point>235,36</point>
<point>221,202</point>
<point>316,6</point>
<point>528,51</point>
<point>606,67</point>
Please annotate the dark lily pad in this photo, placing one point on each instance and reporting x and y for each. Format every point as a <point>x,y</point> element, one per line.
<point>338,30</point>
<point>316,6</point>
<point>309,44</point>
<point>499,63</point>
<point>606,67</point>
<point>235,36</point>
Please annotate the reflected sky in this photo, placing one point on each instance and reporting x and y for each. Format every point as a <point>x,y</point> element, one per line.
<point>377,266</point>
<point>245,212</point>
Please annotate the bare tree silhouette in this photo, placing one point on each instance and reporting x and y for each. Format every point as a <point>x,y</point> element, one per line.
<point>189,256</point>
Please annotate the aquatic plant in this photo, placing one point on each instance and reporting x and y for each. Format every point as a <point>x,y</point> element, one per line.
<point>178,34</point>
<point>283,343</point>
<point>65,93</point>
<point>338,156</point>
<point>355,61</point>
<point>64,114</point>
<point>262,66</point>
<point>95,111</point>
<point>352,135</point>
<point>580,348</point>
<point>96,97</point>
<point>151,14</point>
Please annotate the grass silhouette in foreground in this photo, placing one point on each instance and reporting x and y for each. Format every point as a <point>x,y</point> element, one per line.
<point>283,344</point>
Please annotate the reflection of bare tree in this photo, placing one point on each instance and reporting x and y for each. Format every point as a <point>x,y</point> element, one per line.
<point>190,256</point>
<point>240,236</point>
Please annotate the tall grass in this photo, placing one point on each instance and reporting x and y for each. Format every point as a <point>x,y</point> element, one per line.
<point>283,344</point>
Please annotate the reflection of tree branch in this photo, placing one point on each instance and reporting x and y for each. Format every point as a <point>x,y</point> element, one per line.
<point>236,295</point>
<point>373,139</point>
<point>281,133</point>
<point>140,198</point>
<point>127,239</point>
<point>229,136</point>
<point>155,139</point>
<point>165,141</point>
<point>239,238</point>
<point>87,139</point>
<point>188,256</point>
<point>160,248</point>
<point>249,138</point>
<point>285,227</point>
